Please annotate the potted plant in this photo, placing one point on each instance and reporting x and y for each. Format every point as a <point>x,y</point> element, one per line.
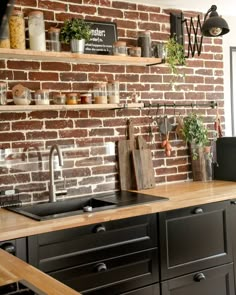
<point>76,32</point>
<point>195,134</point>
<point>174,57</point>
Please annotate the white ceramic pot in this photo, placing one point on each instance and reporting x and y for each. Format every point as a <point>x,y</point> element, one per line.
<point>77,45</point>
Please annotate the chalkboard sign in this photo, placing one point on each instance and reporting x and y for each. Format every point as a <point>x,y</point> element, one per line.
<point>104,34</point>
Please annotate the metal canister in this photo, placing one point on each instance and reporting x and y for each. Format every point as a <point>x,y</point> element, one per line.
<point>144,41</point>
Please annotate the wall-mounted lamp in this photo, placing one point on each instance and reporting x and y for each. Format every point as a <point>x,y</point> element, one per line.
<point>213,26</point>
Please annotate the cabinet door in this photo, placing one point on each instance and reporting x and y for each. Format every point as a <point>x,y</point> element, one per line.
<point>194,238</point>
<point>149,290</point>
<point>214,281</point>
<point>112,276</point>
<point>71,247</point>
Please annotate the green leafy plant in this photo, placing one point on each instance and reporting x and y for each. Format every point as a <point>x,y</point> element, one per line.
<point>75,28</point>
<point>195,133</point>
<point>174,55</point>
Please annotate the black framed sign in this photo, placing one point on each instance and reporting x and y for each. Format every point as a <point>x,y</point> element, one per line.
<point>104,34</point>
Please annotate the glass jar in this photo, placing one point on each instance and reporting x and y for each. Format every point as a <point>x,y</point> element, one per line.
<point>5,36</point>
<point>135,51</point>
<point>42,97</point>
<point>54,39</point>
<point>119,48</point>
<point>100,93</point>
<point>144,41</point>
<point>113,88</point>
<point>86,98</point>
<point>21,95</point>
<point>3,93</point>
<point>37,31</point>
<point>71,98</point>
<point>59,98</point>
<point>17,30</point>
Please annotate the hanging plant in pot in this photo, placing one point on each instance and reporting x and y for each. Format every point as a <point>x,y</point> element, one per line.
<point>196,135</point>
<point>76,32</point>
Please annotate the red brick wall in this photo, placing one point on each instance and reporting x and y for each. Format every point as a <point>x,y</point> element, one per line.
<point>89,166</point>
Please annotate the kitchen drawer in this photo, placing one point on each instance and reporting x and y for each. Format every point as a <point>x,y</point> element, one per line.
<point>215,281</point>
<point>76,246</point>
<point>16,247</point>
<point>149,290</point>
<point>112,276</point>
<point>194,238</point>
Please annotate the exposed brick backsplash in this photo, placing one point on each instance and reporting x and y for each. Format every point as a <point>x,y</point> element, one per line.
<point>89,138</point>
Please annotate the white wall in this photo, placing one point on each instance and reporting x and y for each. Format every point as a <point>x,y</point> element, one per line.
<point>228,40</point>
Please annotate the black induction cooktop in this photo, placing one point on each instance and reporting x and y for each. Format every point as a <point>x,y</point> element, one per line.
<point>22,288</point>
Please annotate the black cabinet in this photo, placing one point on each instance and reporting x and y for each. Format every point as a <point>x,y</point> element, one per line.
<point>215,281</point>
<point>110,258</point>
<point>149,290</point>
<point>194,238</point>
<point>16,247</point>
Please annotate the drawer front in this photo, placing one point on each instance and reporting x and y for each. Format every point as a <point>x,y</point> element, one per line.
<point>149,290</point>
<point>194,238</point>
<point>15,247</point>
<point>112,276</point>
<point>65,248</point>
<point>215,281</point>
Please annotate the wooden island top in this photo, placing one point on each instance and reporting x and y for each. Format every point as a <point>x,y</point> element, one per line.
<point>14,225</point>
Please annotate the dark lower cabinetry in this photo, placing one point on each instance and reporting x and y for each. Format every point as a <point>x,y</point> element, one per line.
<point>16,247</point>
<point>196,251</point>
<point>215,281</point>
<point>116,257</point>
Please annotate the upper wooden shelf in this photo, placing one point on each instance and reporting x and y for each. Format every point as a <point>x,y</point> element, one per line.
<point>76,58</point>
<point>77,107</point>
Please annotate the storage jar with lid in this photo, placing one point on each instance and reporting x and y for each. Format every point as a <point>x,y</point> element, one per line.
<point>119,48</point>
<point>113,91</point>
<point>17,30</point>
<point>37,31</point>
<point>54,39</point>
<point>42,97</point>
<point>3,93</point>
<point>21,95</point>
<point>59,98</point>
<point>72,98</point>
<point>100,93</point>
<point>5,35</point>
<point>144,41</point>
<point>86,98</point>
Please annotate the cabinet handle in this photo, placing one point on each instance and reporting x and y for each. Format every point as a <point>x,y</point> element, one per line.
<point>100,228</point>
<point>101,267</point>
<point>9,247</point>
<point>199,277</point>
<point>198,211</point>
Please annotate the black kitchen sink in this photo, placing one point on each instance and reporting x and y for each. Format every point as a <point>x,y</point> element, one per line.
<point>75,206</point>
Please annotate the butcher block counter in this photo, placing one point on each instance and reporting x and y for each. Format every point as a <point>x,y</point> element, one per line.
<point>14,225</point>
<point>180,195</point>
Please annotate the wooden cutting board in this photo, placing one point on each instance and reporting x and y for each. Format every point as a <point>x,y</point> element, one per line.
<point>143,165</point>
<point>126,168</point>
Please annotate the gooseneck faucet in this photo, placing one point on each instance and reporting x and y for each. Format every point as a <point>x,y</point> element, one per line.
<point>52,191</point>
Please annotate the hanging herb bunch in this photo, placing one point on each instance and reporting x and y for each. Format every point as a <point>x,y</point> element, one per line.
<point>175,57</point>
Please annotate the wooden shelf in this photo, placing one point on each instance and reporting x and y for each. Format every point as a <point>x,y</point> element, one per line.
<point>30,108</point>
<point>76,58</point>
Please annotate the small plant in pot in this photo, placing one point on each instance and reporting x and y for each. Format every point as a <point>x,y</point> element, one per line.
<point>76,32</point>
<point>196,135</point>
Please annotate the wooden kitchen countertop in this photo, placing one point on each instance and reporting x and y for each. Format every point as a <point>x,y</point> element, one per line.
<point>12,269</point>
<point>13,225</point>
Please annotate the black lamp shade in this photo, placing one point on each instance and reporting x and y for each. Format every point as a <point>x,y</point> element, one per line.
<point>214,21</point>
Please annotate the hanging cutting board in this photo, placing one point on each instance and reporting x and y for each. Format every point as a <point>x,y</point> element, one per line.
<point>143,165</point>
<point>126,169</point>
